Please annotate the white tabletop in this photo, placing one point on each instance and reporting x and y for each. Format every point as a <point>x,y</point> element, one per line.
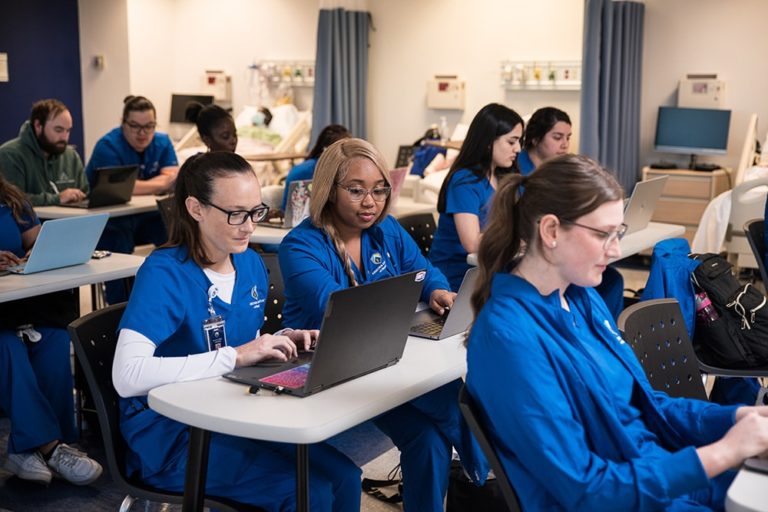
<point>748,493</point>
<point>222,406</point>
<point>137,204</point>
<point>635,242</point>
<point>116,266</point>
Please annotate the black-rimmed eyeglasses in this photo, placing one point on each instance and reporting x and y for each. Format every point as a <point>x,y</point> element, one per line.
<point>238,217</point>
<point>608,237</point>
<point>141,128</point>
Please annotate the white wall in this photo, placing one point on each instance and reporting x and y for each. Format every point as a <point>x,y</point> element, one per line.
<point>415,40</point>
<point>705,36</point>
<point>103,31</point>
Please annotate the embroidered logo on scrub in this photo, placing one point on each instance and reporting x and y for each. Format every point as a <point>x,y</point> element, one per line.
<point>377,259</point>
<point>256,303</point>
<point>420,276</point>
<point>607,325</point>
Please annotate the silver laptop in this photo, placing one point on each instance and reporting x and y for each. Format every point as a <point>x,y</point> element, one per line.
<point>296,208</point>
<point>114,185</point>
<point>428,324</point>
<point>642,203</point>
<point>63,243</point>
<point>365,328</point>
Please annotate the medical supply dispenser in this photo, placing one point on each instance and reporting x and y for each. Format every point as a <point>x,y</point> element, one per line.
<point>446,92</point>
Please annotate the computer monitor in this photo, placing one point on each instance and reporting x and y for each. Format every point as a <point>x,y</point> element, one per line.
<point>694,131</point>
<point>179,104</point>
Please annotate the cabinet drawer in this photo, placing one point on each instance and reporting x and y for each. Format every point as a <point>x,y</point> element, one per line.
<point>679,211</point>
<point>693,187</point>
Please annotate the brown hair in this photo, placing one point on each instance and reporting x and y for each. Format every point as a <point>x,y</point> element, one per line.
<point>13,198</point>
<point>136,104</point>
<point>569,187</point>
<point>331,169</point>
<point>195,179</point>
<point>44,110</point>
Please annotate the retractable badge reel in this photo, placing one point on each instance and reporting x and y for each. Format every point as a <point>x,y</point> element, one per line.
<point>213,327</point>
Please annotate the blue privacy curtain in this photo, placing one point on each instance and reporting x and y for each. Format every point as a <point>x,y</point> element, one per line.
<point>610,93</point>
<point>341,70</point>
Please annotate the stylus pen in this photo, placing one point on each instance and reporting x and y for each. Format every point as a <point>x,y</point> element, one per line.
<point>54,187</point>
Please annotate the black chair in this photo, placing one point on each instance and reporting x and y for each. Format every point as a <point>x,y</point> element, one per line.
<point>404,154</point>
<point>472,416</point>
<point>165,207</point>
<point>755,231</point>
<point>95,337</point>
<point>421,227</point>
<point>656,331</point>
<point>273,310</point>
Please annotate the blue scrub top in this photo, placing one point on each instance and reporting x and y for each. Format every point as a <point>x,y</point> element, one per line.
<point>11,230</point>
<point>113,149</point>
<point>566,401</point>
<point>304,171</point>
<point>465,193</point>
<point>168,305</point>
<point>312,269</point>
<point>524,163</point>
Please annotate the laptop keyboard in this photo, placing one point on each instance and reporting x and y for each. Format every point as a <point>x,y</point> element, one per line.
<point>432,328</point>
<point>294,378</point>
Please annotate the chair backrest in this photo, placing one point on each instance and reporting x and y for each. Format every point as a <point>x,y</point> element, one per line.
<point>472,416</point>
<point>165,207</point>
<point>656,331</point>
<point>273,310</point>
<point>421,227</point>
<point>403,156</point>
<point>755,231</point>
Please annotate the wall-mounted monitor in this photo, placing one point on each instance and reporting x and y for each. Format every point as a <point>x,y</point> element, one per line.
<point>179,104</point>
<point>694,131</point>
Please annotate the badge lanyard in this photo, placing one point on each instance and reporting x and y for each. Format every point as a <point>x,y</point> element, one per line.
<point>213,327</point>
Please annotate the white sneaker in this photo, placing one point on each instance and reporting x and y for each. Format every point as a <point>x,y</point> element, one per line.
<point>29,466</point>
<point>73,465</point>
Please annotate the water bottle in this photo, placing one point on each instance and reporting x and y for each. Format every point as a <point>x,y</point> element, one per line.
<point>704,308</point>
<point>443,129</point>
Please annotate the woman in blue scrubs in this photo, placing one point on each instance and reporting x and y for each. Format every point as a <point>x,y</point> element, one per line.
<point>214,125</point>
<point>568,407</point>
<point>547,135</point>
<point>205,283</point>
<point>488,152</point>
<point>348,240</point>
<point>35,372</point>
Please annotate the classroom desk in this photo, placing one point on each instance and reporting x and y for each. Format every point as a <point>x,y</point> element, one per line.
<point>748,492</point>
<point>116,266</point>
<point>222,406</point>
<point>635,242</point>
<point>137,204</point>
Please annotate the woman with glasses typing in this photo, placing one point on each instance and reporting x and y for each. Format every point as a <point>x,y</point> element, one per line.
<point>348,240</point>
<point>135,142</point>
<point>195,312</point>
<point>567,405</point>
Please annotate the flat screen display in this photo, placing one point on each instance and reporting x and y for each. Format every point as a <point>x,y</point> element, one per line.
<point>179,105</point>
<point>700,131</point>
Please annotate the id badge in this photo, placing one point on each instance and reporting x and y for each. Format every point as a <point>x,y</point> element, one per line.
<point>213,331</point>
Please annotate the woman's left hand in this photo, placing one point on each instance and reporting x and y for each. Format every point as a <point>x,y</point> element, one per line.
<point>441,301</point>
<point>306,338</point>
<point>7,258</point>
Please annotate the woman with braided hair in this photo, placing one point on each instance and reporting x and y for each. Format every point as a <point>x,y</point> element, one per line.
<point>349,240</point>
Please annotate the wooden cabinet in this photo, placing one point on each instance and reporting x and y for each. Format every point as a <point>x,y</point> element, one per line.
<point>686,194</point>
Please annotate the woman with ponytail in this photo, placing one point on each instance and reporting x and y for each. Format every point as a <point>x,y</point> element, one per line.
<point>348,240</point>
<point>566,402</point>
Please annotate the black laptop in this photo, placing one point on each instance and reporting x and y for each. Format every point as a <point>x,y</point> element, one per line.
<point>364,329</point>
<point>428,324</point>
<point>114,185</point>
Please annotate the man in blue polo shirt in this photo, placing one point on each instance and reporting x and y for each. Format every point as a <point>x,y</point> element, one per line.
<point>135,142</point>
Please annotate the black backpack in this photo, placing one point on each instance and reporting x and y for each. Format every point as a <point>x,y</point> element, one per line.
<point>738,337</point>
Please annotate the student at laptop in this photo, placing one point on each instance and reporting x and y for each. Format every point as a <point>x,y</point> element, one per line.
<point>214,125</point>
<point>573,418</point>
<point>348,240</point>
<point>306,169</point>
<point>40,162</point>
<point>135,142</point>
<point>35,374</point>
<point>488,152</point>
<point>203,282</point>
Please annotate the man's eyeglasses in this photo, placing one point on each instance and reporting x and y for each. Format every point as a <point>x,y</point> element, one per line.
<point>357,194</point>
<point>608,237</point>
<point>139,128</point>
<point>238,217</point>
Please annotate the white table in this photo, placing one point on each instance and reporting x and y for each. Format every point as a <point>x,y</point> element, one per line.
<point>116,266</point>
<point>635,242</point>
<point>137,204</point>
<point>222,406</point>
<point>748,492</point>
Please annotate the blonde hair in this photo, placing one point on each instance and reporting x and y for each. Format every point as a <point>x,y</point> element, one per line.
<point>331,169</point>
